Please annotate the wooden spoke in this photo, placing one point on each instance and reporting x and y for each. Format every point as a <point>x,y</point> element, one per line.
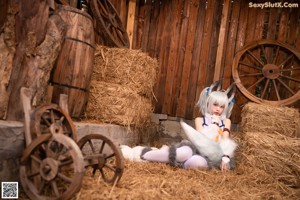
<point>290,69</point>
<point>110,167</point>
<point>61,119</point>
<point>264,53</point>
<point>49,152</point>
<point>66,162</point>
<point>116,33</point>
<point>252,66</point>
<point>104,17</point>
<point>106,6</point>
<point>64,177</point>
<point>290,78</point>
<point>52,116</point>
<point>103,9</point>
<point>276,89</point>
<point>265,88</point>
<point>46,121</point>
<point>287,87</point>
<point>92,146</point>
<point>106,158</point>
<point>110,156</point>
<point>102,147</point>
<point>41,186</point>
<point>35,158</point>
<point>255,58</point>
<point>286,60</point>
<point>52,179</point>
<point>47,116</point>
<point>248,75</point>
<point>276,55</point>
<point>32,174</point>
<point>54,188</point>
<point>267,71</point>
<point>256,83</point>
<point>109,24</point>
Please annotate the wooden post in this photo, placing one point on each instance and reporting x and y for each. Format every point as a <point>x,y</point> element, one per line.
<point>26,95</point>
<point>49,94</point>
<point>39,36</point>
<point>63,103</point>
<point>130,20</point>
<point>51,4</point>
<point>221,42</point>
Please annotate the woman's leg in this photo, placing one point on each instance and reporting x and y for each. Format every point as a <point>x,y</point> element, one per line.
<point>196,161</point>
<point>183,153</point>
<point>159,155</point>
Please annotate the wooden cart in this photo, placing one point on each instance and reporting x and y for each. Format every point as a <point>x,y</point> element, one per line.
<point>53,163</point>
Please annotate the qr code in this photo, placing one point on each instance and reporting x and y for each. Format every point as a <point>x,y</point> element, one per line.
<point>9,190</point>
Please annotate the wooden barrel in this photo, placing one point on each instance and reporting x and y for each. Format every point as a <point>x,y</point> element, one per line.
<point>74,66</point>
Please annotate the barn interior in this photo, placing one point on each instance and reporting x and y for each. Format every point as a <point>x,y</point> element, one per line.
<point>77,75</point>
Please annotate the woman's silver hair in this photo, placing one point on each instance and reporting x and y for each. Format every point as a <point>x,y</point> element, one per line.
<point>214,94</point>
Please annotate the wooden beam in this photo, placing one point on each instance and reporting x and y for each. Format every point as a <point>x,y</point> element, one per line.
<point>130,20</point>
<point>221,41</point>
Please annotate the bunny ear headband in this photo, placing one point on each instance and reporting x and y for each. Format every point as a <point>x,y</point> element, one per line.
<point>216,86</point>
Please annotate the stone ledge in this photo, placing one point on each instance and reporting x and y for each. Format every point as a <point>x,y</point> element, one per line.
<point>12,142</point>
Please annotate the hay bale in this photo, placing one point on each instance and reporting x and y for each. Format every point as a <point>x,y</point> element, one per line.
<point>118,104</point>
<point>121,90</point>
<point>270,119</point>
<point>277,154</point>
<point>132,68</point>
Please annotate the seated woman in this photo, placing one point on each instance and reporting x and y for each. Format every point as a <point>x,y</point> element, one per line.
<point>209,145</point>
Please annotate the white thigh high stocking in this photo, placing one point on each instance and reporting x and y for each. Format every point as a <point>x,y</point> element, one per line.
<point>183,153</point>
<point>160,155</point>
<point>195,161</point>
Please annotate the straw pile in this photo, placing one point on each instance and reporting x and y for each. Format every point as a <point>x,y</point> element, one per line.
<point>270,119</point>
<point>132,68</point>
<point>115,103</point>
<point>160,181</point>
<point>276,154</point>
<point>121,89</point>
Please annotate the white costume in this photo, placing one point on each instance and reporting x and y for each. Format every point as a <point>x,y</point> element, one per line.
<point>204,149</point>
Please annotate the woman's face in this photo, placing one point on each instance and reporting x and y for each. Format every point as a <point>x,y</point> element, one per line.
<point>216,109</point>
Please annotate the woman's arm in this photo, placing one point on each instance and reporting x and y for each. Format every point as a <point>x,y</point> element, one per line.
<point>226,131</point>
<point>198,123</point>
<point>225,166</point>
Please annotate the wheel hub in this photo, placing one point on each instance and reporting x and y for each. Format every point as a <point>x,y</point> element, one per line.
<point>271,71</point>
<point>56,128</point>
<point>49,169</point>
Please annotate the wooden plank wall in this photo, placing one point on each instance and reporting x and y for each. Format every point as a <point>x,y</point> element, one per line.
<point>183,35</point>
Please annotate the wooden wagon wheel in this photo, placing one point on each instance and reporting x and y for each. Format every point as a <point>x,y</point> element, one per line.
<point>101,154</point>
<point>109,24</point>
<point>268,71</point>
<point>52,119</point>
<point>52,167</point>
